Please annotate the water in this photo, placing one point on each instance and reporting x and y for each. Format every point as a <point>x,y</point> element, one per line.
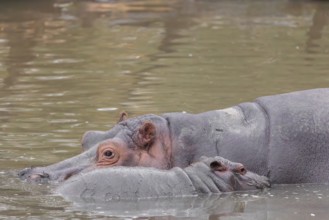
<point>71,66</point>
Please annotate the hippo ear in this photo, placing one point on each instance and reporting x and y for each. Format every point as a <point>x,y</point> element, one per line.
<point>123,117</point>
<point>146,134</point>
<point>217,166</point>
<point>90,138</point>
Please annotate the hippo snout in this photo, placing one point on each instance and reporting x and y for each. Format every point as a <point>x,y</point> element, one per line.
<point>46,175</point>
<point>29,175</point>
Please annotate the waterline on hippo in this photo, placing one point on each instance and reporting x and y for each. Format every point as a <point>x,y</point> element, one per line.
<point>284,137</point>
<point>210,175</point>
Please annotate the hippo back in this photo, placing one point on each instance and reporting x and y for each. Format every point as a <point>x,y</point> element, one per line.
<point>298,136</point>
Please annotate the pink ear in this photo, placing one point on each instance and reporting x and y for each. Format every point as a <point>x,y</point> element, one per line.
<point>217,166</point>
<point>147,134</point>
<point>123,116</point>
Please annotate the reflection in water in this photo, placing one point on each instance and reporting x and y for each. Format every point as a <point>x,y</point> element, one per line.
<point>21,34</point>
<point>20,46</point>
<point>67,66</point>
<point>319,22</point>
<point>281,202</point>
<point>202,207</point>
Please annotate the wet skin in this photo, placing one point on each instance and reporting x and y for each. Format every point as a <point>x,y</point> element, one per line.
<point>284,137</point>
<point>210,175</point>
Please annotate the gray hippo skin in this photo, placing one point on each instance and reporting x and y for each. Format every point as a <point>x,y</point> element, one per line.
<point>210,175</point>
<point>284,137</point>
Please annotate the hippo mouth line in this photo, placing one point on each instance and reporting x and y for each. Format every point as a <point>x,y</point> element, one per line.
<point>67,176</point>
<point>260,183</point>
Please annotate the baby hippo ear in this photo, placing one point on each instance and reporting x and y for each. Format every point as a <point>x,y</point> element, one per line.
<point>217,166</point>
<point>123,117</point>
<point>146,134</point>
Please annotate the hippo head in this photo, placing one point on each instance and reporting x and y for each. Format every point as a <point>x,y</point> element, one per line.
<point>141,141</point>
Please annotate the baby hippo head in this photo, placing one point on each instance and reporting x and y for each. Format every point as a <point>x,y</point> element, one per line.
<point>231,176</point>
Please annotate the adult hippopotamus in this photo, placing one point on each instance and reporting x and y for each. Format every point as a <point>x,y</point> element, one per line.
<point>285,137</point>
<point>210,175</point>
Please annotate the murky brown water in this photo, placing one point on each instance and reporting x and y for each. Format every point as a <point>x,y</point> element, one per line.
<point>71,66</point>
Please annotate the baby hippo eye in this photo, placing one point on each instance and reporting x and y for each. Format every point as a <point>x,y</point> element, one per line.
<point>109,154</point>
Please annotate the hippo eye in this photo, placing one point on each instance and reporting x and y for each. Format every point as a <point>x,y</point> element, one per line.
<point>109,154</point>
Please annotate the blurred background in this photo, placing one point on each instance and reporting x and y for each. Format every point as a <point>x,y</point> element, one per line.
<point>71,66</point>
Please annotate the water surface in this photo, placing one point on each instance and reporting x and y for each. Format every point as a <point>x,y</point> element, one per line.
<point>71,66</point>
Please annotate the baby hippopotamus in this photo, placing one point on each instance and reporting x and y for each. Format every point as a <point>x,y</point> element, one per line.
<point>209,175</point>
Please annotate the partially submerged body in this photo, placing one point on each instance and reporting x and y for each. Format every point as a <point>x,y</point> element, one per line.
<point>210,175</point>
<point>285,137</point>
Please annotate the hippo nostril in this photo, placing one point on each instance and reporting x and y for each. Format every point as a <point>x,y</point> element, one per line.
<point>23,173</point>
<point>39,177</point>
<point>30,175</point>
<point>241,170</point>
<point>44,175</point>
